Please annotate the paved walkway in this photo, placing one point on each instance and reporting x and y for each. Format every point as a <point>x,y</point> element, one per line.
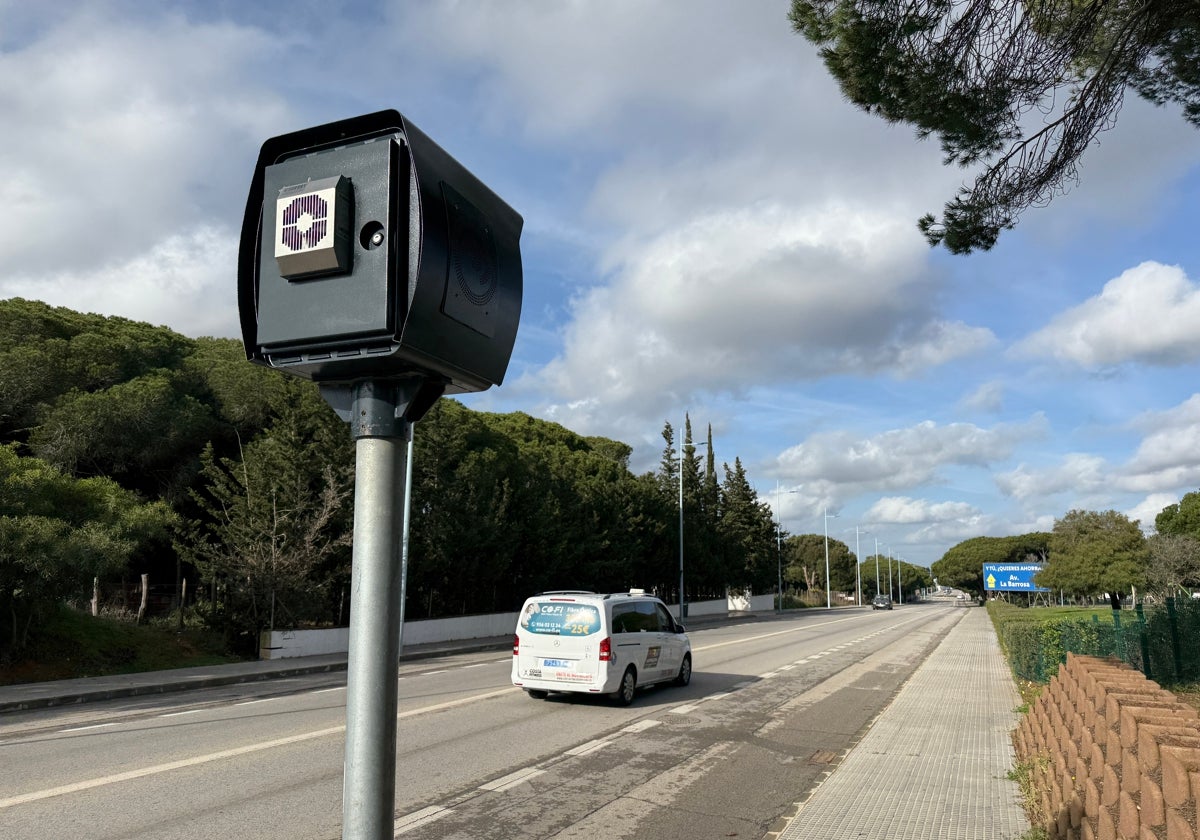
<point>934,764</point>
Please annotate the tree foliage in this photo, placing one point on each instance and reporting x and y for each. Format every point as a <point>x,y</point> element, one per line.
<point>1093,552</point>
<point>1182,518</point>
<point>804,555</point>
<point>1173,565</point>
<point>57,533</point>
<point>973,73</point>
<point>962,566</point>
<point>275,524</point>
<point>254,473</point>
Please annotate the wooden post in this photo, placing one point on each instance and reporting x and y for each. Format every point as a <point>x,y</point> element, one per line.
<point>145,597</point>
<point>95,596</point>
<point>182,601</point>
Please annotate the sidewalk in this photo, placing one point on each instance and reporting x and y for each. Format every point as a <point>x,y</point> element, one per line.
<point>934,764</point>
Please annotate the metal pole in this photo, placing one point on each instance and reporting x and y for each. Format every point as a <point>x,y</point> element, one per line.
<point>408,460</point>
<point>900,579</point>
<point>779,564</point>
<point>877,566</point>
<point>857,570</point>
<point>828,591</point>
<point>889,571</point>
<point>682,600</point>
<point>369,780</point>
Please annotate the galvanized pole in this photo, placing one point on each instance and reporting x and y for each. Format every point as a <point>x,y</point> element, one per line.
<point>369,781</point>
<point>878,591</point>
<point>682,602</point>
<point>404,539</point>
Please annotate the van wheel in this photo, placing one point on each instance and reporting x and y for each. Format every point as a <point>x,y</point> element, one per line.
<point>685,672</point>
<point>624,695</point>
<point>537,693</point>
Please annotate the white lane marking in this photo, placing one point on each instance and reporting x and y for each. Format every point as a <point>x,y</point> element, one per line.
<point>476,665</point>
<point>86,728</point>
<point>130,775</point>
<point>787,667</point>
<point>431,673</point>
<point>418,818</point>
<point>720,695</point>
<point>768,675</point>
<point>259,700</point>
<point>328,690</point>
<point>683,710</point>
<point>512,779</point>
<point>776,633</point>
<point>178,714</point>
<point>642,725</point>
<point>589,747</point>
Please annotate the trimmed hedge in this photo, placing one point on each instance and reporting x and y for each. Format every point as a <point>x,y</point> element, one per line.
<point>1161,641</point>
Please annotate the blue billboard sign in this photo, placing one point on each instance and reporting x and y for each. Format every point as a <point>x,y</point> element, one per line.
<point>1011,577</point>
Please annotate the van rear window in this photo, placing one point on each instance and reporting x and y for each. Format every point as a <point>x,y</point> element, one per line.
<point>554,618</point>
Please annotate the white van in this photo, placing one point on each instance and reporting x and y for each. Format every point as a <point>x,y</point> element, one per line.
<point>598,644</point>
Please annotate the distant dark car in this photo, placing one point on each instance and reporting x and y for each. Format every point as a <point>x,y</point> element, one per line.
<point>881,602</point>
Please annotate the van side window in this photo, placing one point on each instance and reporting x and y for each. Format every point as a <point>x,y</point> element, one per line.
<point>666,623</point>
<point>624,619</point>
<point>647,617</point>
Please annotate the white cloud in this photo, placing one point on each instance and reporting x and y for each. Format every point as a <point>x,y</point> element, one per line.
<point>185,282</point>
<point>843,465</point>
<point>127,137</point>
<point>1147,510</point>
<point>1165,464</point>
<point>903,510</point>
<point>1078,473</point>
<point>766,293</point>
<point>1148,314</point>
<point>988,398</point>
<point>1168,458</point>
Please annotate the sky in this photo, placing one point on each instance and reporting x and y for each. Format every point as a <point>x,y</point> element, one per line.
<point>710,230</point>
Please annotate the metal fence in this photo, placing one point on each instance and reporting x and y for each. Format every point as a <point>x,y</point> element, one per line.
<point>1161,641</point>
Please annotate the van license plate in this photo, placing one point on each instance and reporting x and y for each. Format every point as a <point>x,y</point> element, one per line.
<point>556,663</point>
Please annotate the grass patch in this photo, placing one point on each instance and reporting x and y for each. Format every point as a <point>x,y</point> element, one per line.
<point>1031,795</point>
<point>75,644</point>
<point>1189,694</point>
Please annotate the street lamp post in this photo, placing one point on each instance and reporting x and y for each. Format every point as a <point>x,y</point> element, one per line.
<point>779,546</point>
<point>828,589</point>
<point>877,590</point>
<point>779,566</point>
<point>857,569</point>
<point>682,599</point>
<point>889,571</point>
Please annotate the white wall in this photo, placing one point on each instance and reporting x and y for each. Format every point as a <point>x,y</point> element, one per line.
<point>283,644</point>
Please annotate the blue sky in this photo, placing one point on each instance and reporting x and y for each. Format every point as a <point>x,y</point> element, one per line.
<point>709,228</point>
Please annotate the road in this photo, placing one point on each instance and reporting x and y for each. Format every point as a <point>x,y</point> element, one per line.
<point>772,705</point>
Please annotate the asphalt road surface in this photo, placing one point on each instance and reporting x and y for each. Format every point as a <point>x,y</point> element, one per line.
<point>772,706</point>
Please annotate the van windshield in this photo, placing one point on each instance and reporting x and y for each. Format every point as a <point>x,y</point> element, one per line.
<point>554,618</point>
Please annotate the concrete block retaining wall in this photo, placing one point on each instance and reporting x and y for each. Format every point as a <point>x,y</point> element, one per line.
<point>1115,756</point>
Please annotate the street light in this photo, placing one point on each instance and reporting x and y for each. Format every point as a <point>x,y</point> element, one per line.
<point>682,599</point>
<point>889,571</point>
<point>858,568</point>
<point>828,590</point>
<point>877,590</point>
<point>779,547</point>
